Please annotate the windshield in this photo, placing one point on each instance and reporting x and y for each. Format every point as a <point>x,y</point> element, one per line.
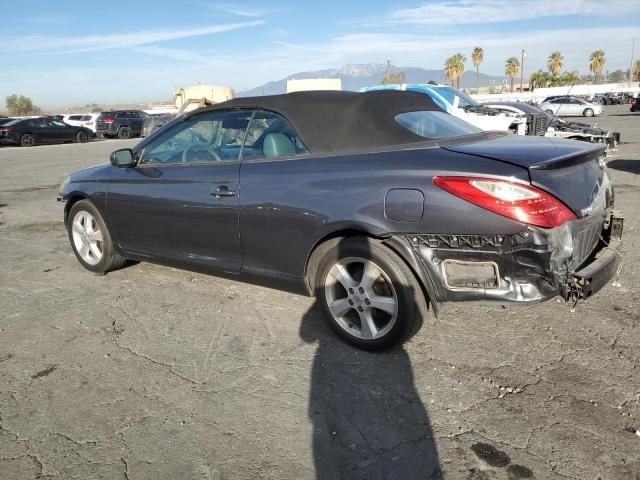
<point>464,100</point>
<point>435,125</point>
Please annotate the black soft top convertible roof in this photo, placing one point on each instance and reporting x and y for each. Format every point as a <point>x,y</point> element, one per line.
<point>334,121</point>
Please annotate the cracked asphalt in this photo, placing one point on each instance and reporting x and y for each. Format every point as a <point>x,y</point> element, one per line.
<point>156,373</point>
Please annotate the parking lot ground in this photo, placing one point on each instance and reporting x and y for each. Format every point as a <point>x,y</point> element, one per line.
<point>156,373</point>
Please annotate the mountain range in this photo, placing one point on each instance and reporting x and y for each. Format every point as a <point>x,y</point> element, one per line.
<point>356,76</point>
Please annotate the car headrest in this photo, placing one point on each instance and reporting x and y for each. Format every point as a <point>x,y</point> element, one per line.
<point>277,145</point>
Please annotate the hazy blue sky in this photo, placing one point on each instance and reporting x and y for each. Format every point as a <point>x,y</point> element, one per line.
<point>76,52</point>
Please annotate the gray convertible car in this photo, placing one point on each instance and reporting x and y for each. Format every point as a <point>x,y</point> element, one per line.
<point>379,204</point>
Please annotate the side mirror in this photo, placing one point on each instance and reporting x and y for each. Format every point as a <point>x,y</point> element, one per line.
<point>122,158</point>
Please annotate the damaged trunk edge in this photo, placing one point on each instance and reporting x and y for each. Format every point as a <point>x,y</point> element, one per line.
<point>572,261</point>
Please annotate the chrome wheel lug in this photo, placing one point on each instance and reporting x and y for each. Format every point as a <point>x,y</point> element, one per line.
<point>361,290</point>
<point>360,309</point>
<point>351,291</point>
<point>350,302</point>
<point>367,301</point>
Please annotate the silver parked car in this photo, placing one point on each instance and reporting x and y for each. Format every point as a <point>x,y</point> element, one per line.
<point>568,106</point>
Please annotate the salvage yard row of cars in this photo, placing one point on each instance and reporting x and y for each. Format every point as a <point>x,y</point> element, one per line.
<point>380,204</point>
<point>515,117</point>
<point>79,128</point>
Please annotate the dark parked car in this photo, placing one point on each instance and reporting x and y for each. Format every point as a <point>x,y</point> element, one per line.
<point>32,131</point>
<point>120,123</point>
<point>376,202</point>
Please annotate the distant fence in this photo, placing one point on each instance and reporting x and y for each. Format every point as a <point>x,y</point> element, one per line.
<point>540,94</point>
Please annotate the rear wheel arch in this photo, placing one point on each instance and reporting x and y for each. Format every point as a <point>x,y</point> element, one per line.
<point>395,245</point>
<point>326,243</point>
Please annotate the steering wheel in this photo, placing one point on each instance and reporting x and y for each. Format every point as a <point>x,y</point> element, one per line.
<point>206,147</point>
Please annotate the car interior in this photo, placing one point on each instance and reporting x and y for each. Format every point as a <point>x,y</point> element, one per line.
<point>221,136</point>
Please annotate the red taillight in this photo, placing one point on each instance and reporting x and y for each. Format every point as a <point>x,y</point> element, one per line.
<point>108,120</point>
<point>6,130</point>
<point>517,201</point>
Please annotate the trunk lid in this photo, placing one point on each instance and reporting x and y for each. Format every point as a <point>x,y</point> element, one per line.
<point>572,171</point>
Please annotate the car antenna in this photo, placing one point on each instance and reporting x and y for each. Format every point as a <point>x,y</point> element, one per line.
<point>556,112</point>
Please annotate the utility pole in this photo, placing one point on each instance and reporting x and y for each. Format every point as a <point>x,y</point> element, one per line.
<point>522,70</point>
<point>388,72</point>
<point>633,47</point>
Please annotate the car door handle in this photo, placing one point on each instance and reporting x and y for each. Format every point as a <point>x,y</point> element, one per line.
<point>223,191</point>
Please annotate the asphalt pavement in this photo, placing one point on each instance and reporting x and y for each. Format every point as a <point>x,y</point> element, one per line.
<point>155,373</point>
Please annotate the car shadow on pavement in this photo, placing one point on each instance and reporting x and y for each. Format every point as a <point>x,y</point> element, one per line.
<point>368,418</point>
<point>629,166</point>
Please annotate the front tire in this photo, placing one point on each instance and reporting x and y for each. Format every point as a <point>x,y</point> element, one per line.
<point>370,297</point>
<point>90,239</point>
<point>588,112</point>
<point>124,133</point>
<point>27,140</point>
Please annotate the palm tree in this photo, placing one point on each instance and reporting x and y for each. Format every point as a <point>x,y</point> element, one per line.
<point>539,79</point>
<point>449,70</point>
<point>597,63</point>
<point>555,63</point>
<point>569,78</point>
<point>511,69</point>
<point>636,71</point>
<point>454,68</point>
<point>477,56</point>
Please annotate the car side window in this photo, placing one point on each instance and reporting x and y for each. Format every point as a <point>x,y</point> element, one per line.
<point>271,136</point>
<point>42,123</point>
<point>205,138</point>
<point>121,115</point>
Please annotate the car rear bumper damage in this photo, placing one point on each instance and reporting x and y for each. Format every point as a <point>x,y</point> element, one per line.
<point>573,261</point>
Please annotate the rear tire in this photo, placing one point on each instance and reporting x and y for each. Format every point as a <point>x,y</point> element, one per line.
<point>82,137</point>
<point>588,112</point>
<point>90,239</point>
<point>370,297</point>
<point>124,133</point>
<point>27,140</point>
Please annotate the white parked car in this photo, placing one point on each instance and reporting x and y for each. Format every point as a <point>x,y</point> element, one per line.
<point>91,122</point>
<point>568,106</point>
<point>76,119</point>
<point>86,120</point>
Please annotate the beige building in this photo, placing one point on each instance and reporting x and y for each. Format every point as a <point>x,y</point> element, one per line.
<point>213,94</point>
<point>314,84</point>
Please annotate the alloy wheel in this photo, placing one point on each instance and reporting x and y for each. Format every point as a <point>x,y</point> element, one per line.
<point>361,298</point>
<point>87,237</point>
